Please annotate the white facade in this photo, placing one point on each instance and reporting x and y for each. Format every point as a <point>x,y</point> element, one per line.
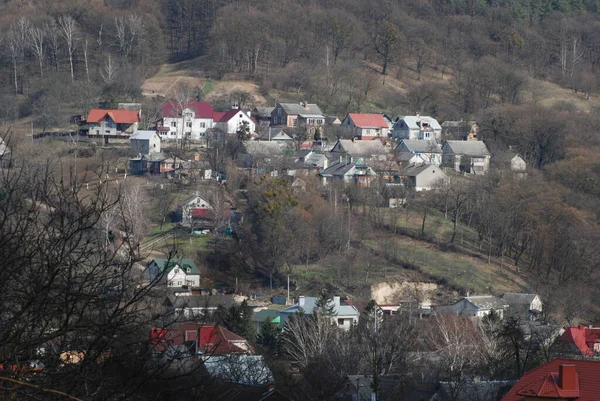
<point>178,277</point>
<point>144,143</point>
<point>186,125</point>
<point>417,128</point>
<point>235,120</point>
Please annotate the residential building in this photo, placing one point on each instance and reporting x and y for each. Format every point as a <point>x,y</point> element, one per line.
<point>262,115</point>
<point>191,306</point>
<point>417,127</point>
<point>263,155</point>
<point>413,151</point>
<point>525,305</point>
<point>311,161</point>
<point>155,164</point>
<point>475,305</point>
<point>460,130</point>
<point>111,124</point>
<point>471,157</point>
<point>306,115</point>
<point>189,120</point>
<point>578,341</point>
<point>509,161</point>
<point>345,316</point>
<point>332,120</point>
<point>177,272</point>
<point>200,339</point>
<point>235,121</point>
<point>559,380</point>
<point>356,172</point>
<point>422,177</point>
<point>194,205</point>
<point>366,126</point>
<point>352,150</point>
<point>144,143</point>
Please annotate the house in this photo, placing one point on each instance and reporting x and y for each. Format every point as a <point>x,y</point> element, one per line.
<point>349,149</point>
<point>509,161</point>
<point>366,126</point>
<point>476,305</point>
<point>460,130</point>
<point>178,272</point>
<point>332,120</point>
<point>344,315</point>
<point>110,124</point>
<point>194,206</point>
<point>417,127</point>
<point>144,142</point>
<point>310,160</point>
<point>263,155</point>
<point>349,172</point>
<point>470,157</point>
<point>413,151</point>
<point>234,121</point>
<point>274,134</point>
<point>191,306</point>
<point>305,115</point>
<point>559,380</point>
<point>578,341</point>
<point>200,339</point>
<point>262,115</point>
<point>422,177</point>
<point>189,120</point>
<point>522,304</point>
<point>154,163</point>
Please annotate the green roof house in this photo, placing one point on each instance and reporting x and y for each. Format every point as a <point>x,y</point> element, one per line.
<point>176,272</point>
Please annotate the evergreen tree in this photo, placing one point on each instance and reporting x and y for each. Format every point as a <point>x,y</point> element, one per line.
<point>269,337</point>
<point>325,304</point>
<point>238,319</point>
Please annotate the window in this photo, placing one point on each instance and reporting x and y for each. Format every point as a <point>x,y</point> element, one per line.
<point>188,124</point>
<point>202,125</point>
<point>274,120</point>
<point>295,122</point>
<point>176,271</point>
<point>173,124</point>
<point>108,131</point>
<point>97,132</point>
<point>279,111</point>
<point>179,284</point>
<point>340,322</point>
<point>241,116</point>
<point>188,270</point>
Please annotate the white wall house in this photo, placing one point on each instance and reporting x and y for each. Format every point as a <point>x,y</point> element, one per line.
<point>344,316</point>
<point>423,177</point>
<point>417,128</point>
<point>233,120</point>
<point>176,272</point>
<point>479,306</point>
<point>190,120</point>
<point>144,143</point>
<point>413,151</point>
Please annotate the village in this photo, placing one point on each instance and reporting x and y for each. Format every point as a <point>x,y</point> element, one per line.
<point>240,333</point>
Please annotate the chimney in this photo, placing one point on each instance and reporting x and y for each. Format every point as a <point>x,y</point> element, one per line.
<point>301,301</point>
<point>336,301</point>
<point>567,377</point>
<point>581,327</point>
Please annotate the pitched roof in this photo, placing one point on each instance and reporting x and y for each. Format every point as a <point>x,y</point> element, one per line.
<point>118,116</point>
<point>223,117</point>
<point>416,169</point>
<point>362,148</point>
<point>143,135</point>
<point>201,109</point>
<point>263,112</point>
<point>486,302</point>
<point>166,265</point>
<point>212,339</point>
<point>305,109</point>
<point>310,303</point>
<point>331,120</point>
<point>543,382</point>
<point>420,146</point>
<point>415,122</point>
<point>364,120</point>
<point>202,213</point>
<point>518,298</point>
<point>263,148</point>
<point>340,169</point>
<point>580,336</point>
<point>469,148</point>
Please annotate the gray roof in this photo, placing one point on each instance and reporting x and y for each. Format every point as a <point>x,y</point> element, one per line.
<point>421,146</point>
<point>415,169</point>
<point>308,110</point>
<point>141,134</point>
<point>332,119</point>
<point>469,148</point>
<point>316,160</point>
<point>357,148</point>
<point>310,304</point>
<point>263,112</point>
<point>203,301</point>
<point>486,302</point>
<point>263,148</point>
<point>340,169</point>
<point>518,298</point>
<point>414,122</point>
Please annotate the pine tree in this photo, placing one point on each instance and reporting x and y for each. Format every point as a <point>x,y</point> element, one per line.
<point>325,304</point>
<point>269,337</point>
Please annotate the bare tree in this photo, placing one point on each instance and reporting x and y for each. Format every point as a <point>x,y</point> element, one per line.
<point>109,71</point>
<point>37,44</point>
<point>16,43</point>
<point>53,34</point>
<point>306,337</point>
<point>85,58</point>
<point>69,32</point>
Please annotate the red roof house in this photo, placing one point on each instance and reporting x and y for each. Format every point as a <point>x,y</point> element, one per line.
<point>366,126</point>
<point>172,109</point>
<point>561,379</point>
<point>578,341</point>
<point>117,116</point>
<point>206,339</point>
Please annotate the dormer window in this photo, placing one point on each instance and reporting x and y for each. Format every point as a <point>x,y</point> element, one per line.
<point>188,270</point>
